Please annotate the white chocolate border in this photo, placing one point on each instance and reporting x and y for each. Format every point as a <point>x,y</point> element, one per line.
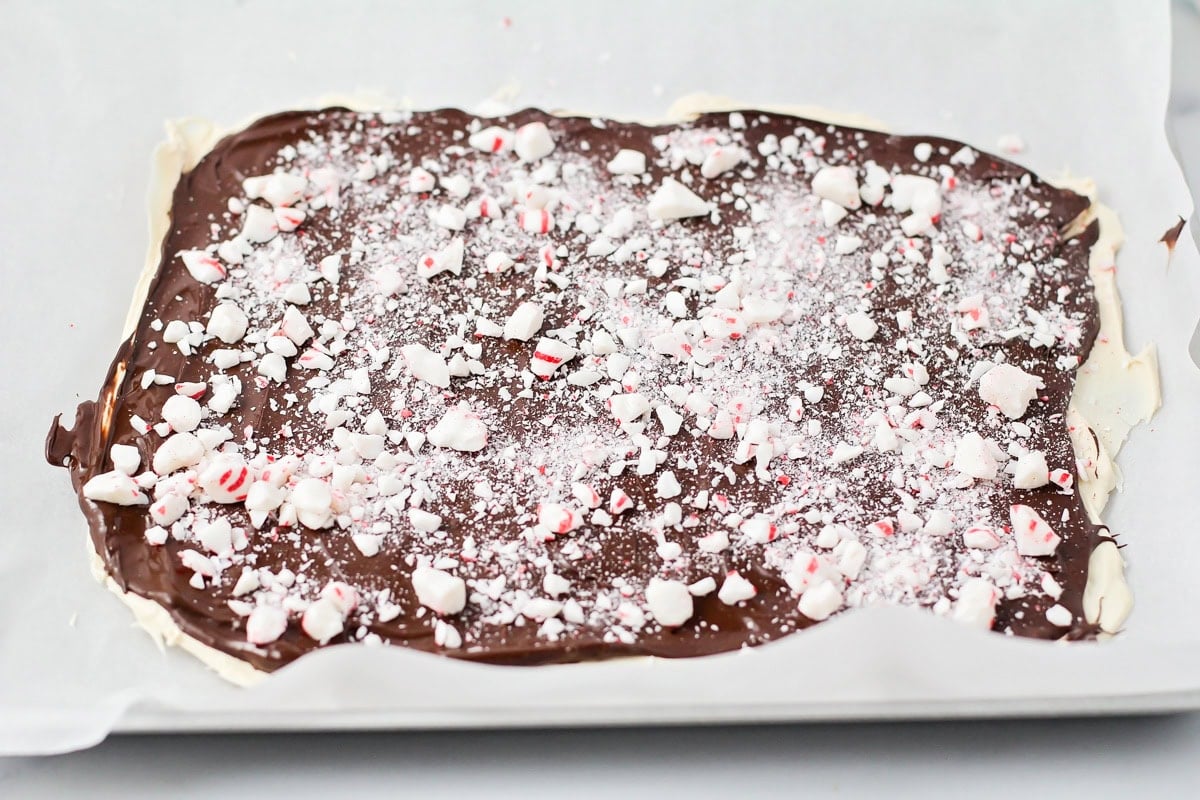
<point>1114,390</point>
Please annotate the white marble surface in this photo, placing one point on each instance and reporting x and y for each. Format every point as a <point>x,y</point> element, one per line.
<point>1090,757</point>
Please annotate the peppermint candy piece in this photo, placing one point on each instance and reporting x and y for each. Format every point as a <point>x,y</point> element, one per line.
<point>759,529</point>
<point>722,426</point>
<point>322,620</point>
<point>558,519</point>
<point>837,185</point>
<point>114,487</point>
<point>459,429</point>
<point>456,185</point>
<point>672,200</point>
<point>264,497</point>
<point>861,326</point>
<point>273,366</point>
<point>1063,479</point>
<point>976,604</point>
<point>278,189</point>
<point>555,585</point>
<point>178,451</point>
<point>233,251</point>
<point>735,589</point>
<point>1034,535</point>
<point>451,218</point>
<point>314,359</point>
<point>260,225</point>
<point>668,485</point>
<point>420,181</point>
<point>227,479</point>
<point>265,624</point>
<point>491,140</point>
<point>426,365</point>
<point>330,268</point>
<point>533,142</point>
<point>1010,389</point>
<point>125,458</point>
<point>549,355</point>
<point>939,259</point>
<point>343,596</point>
<point>182,413</point>
<point>295,327</point>
<point>524,322</point>
<point>216,537</point>
<point>227,322</point>
<point>535,220</point>
<point>832,213</point>
<point>168,508</point>
<point>586,494</point>
<point>820,601</point>
<point>805,569</point>
<point>202,266</point>
<point>498,261</point>
<point>759,310</point>
<point>981,537</point>
<point>313,500</point>
<point>485,207</point>
<point>851,555</point>
<point>1011,143</point>
<point>1030,471</point>
<point>973,309</point>
<point>288,219</point>
<point>627,162</point>
<point>423,520</point>
<point>918,194</point>
<point>976,457</point>
<point>619,502</point>
<point>669,601</point>
<point>541,609</point>
<point>439,591</point>
<point>671,419</point>
<point>722,159</point>
<point>628,407</point>
<point>448,259</point>
<point>845,245</point>
<point>1059,616</point>
<point>247,582</point>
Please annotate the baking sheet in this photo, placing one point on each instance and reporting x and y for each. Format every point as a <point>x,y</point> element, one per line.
<point>1085,84</point>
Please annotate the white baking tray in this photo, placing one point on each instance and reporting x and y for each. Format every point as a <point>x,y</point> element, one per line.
<point>1084,83</point>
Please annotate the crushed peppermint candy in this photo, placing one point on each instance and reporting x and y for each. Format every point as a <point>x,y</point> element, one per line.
<point>520,383</point>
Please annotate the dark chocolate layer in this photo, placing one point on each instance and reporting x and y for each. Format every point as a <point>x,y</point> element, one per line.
<point>200,201</point>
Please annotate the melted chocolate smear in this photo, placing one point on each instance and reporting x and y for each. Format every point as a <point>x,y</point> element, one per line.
<point>1171,237</point>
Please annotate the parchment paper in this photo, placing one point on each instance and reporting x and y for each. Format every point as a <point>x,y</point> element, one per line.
<point>83,91</point>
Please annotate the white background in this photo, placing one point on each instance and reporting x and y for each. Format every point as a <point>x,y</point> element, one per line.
<point>980,759</point>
